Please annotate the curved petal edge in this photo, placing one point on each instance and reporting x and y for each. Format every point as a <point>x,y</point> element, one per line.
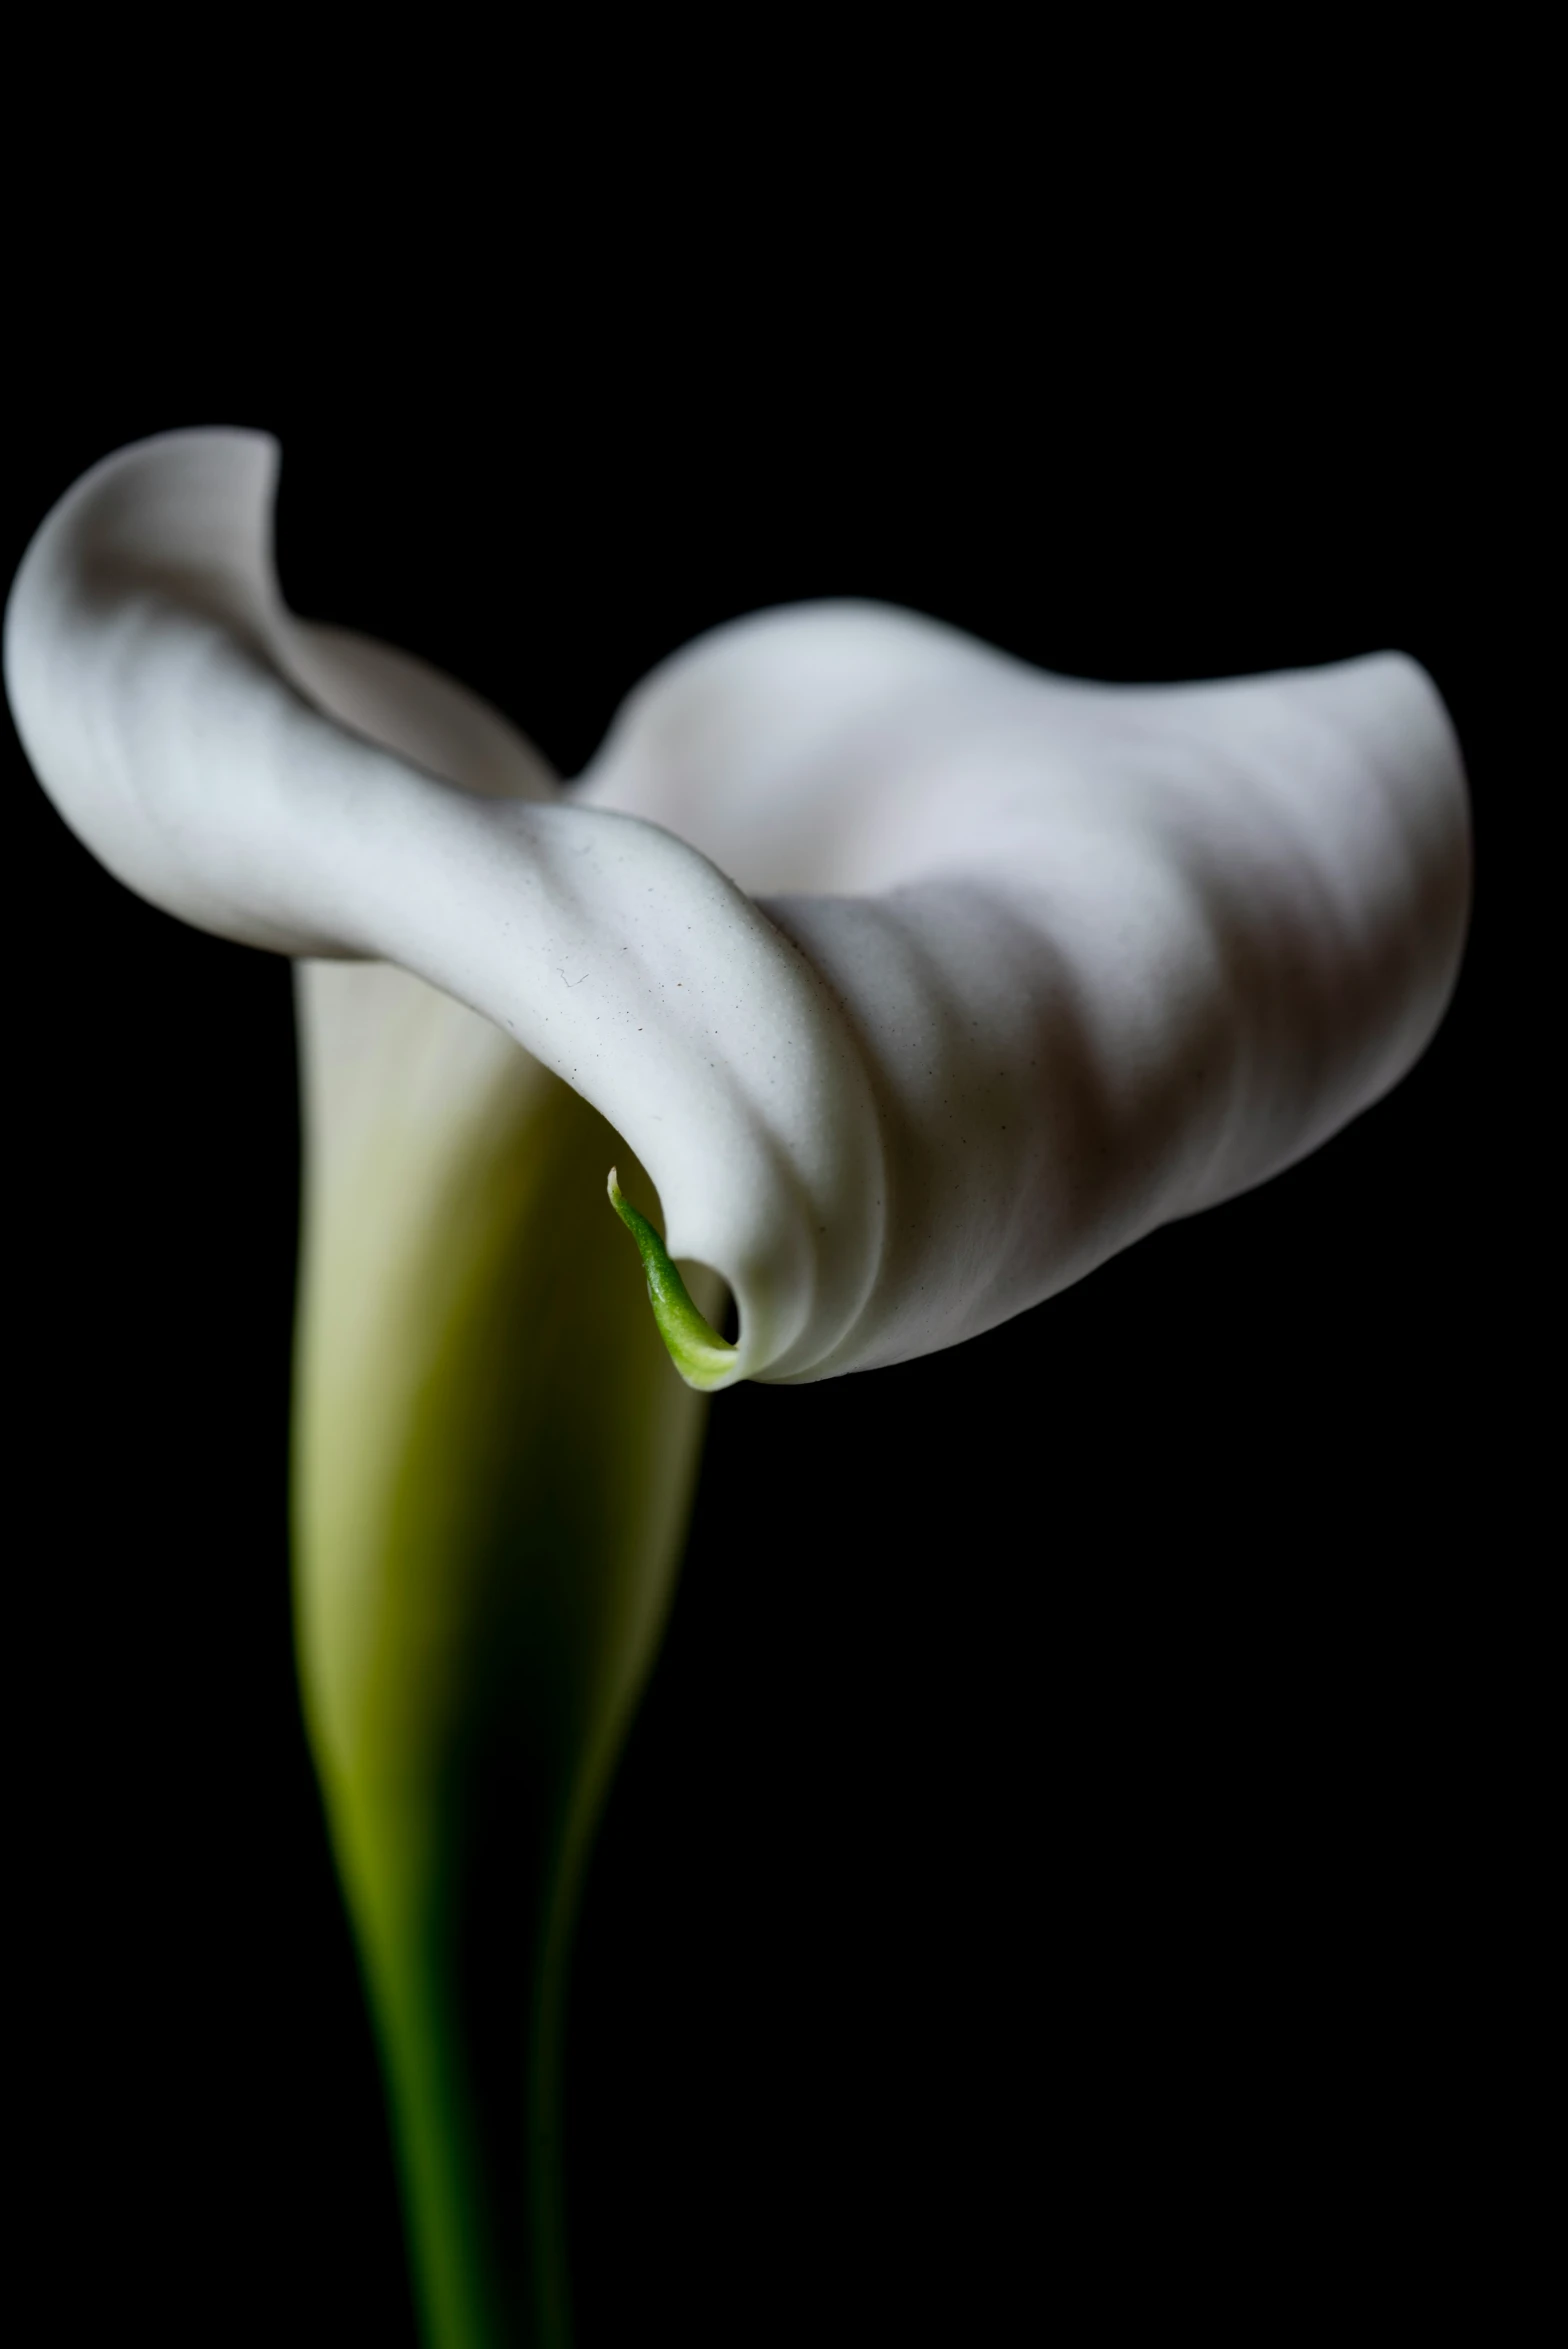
<point>919,981</point>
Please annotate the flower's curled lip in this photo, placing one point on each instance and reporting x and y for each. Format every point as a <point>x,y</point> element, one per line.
<point>919,981</point>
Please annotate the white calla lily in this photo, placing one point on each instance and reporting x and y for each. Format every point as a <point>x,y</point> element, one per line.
<point>914,982</point>
<point>919,981</point>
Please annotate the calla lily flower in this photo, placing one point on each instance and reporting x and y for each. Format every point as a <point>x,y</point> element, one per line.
<point>900,984</point>
<point>920,982</point>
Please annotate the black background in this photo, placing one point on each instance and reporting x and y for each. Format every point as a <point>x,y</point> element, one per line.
<point>1064,1876</point>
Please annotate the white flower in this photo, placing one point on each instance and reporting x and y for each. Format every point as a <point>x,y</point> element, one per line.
<point>919,981</point>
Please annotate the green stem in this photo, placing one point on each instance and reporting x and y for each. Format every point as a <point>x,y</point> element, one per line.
<point>466,1967</point>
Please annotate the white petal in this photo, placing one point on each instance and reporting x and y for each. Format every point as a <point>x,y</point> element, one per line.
<point>1072,960</point>
<point>1111,954</point>
<point>160,695</point>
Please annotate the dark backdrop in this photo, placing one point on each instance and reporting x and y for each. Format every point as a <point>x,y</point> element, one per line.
<point>1048,1871</point>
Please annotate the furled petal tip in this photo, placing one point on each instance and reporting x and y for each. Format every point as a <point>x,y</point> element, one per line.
<point>704,1359</point>
<point>919,981</point>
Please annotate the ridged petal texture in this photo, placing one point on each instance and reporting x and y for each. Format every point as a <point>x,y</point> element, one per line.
<point>918,980</point>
